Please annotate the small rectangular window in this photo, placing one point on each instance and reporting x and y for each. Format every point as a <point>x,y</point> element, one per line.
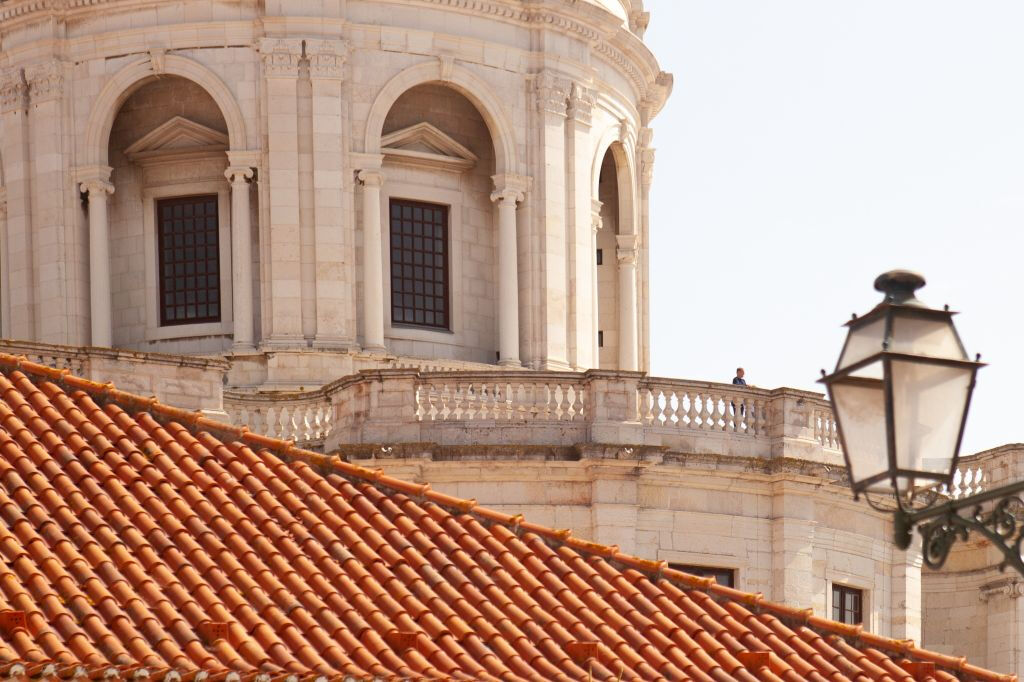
<point>847,604</point>
<point>600,256</point>
<point>188,248</point>
<point>600,339</point>
<point>419,264</point>
<point>723,576</point>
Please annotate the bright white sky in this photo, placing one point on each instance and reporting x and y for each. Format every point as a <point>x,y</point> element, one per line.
<point>810,145</point>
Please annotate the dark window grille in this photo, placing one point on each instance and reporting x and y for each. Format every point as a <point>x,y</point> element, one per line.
<point>723,576</point>
<point>847,604</point>
<point>188,245</point>
<point>419,264</point>
<point>600,256</point>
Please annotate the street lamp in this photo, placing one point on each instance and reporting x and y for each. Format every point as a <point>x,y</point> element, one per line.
<point>900,393</point>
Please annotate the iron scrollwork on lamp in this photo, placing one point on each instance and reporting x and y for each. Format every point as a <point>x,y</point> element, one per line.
<point>900,393</point>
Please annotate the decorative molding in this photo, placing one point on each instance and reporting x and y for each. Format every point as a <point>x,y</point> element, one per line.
<point>447,66</point>
<point>509,187</point>
<point>425,145</point>
<point>13,90</point>
<point>45,81</point>
<point>158,60</point>
<point>581,104</point>
<point>281,56</point>
<point>639,20</point>
<point>596,221</point>
<point>1004,588</point>
<point>326,58</point>
<point>647,166</point>
<point>96,186</point>
<point>175,140</point>
<point>552,93</point>
<point>85,174</point>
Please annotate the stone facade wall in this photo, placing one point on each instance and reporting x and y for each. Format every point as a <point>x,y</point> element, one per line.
<point>303,100</point>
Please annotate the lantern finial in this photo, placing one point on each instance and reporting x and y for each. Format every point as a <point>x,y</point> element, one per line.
<point>899,286</point>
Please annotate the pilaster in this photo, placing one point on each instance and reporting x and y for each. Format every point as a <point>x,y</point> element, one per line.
<point>52,223</point>
<point>282,248</point>
<point>551,95</point>
<point>793,527</point>
<point>17,177</point>
<point>5,283</point>
<point>646,163</point>
<point>333,285</point>
<point>580,236</point>
<point>626,253</point>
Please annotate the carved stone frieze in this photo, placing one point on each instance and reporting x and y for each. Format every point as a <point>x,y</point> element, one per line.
<point>552,93</point>
<point>13,90</point>
<point>326,58</point>
<point>509,187</point>
<point>45,81</point>
<point>281,56</point>
<point>627,248</point>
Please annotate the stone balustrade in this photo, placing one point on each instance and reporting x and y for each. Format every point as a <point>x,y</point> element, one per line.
<point>303,417</point>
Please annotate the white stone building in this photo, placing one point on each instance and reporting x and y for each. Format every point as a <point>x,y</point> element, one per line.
<point>415,232</point>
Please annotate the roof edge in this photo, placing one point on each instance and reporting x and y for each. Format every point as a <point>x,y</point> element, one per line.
<point>287,450</point>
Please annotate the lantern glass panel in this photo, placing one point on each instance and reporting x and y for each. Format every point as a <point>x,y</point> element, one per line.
<point>931,337</point>
<point>863,342</point>
<point>929,401</point>
<point>860,410</point>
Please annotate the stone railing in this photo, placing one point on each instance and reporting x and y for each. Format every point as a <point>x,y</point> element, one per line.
<point>303,417</point>
<point>522,396</point>
<point>550,409</point>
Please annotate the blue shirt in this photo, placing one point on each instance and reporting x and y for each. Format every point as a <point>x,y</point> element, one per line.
<point>739,381</point>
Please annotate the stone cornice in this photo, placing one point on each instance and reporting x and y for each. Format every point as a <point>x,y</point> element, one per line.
<point>599,28</point>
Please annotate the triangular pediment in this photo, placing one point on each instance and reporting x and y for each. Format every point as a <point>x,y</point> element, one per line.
<point>176,136</point>
<point>425,144</point>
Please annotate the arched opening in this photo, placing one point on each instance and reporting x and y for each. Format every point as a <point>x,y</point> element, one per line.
<point>439,229</point>
<point>169,219</point>
<point>616,274</point>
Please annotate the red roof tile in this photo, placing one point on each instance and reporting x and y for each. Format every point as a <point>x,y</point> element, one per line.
<point>137,537</point>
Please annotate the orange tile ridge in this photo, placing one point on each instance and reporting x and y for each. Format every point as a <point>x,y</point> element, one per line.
<point>287,450</point>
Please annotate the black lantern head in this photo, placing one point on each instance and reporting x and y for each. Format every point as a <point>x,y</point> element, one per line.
<point>900,392</point>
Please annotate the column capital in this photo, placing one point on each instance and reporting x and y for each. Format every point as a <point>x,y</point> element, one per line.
<point>371,177</point>
<point>646,166</point>
<point>281,56</point>
<point>326,58</point>
<point>581,104</point>
<point>92,179</point>
<point>552,93</point>
<point>243,157</point>
<point>239,174</point>
<point>13,90</point>
<point>627,248</point>
<point>509,187</point>
<point>45,80</point>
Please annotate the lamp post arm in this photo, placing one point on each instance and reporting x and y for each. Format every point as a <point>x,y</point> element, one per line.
<point>946,523</point>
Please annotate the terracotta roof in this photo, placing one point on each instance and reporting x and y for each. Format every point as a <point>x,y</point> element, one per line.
<point>139,537</point>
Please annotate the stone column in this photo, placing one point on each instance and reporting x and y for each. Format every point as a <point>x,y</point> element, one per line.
<point>373,255</point>
<point>333,288</point>
<point>552,93</point>
<point>509,190</point>
<point>98,189</point>
<point>579,157</point>
<point>627,255</point>
<point>595,227</point>
<point>241,256</point>
<point>17,179</point>
<point>281,57</point>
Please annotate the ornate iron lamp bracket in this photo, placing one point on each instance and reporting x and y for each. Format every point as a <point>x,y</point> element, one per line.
<point>941,526</point>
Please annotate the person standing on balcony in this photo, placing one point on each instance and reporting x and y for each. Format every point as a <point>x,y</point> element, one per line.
<point>738,380</point>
